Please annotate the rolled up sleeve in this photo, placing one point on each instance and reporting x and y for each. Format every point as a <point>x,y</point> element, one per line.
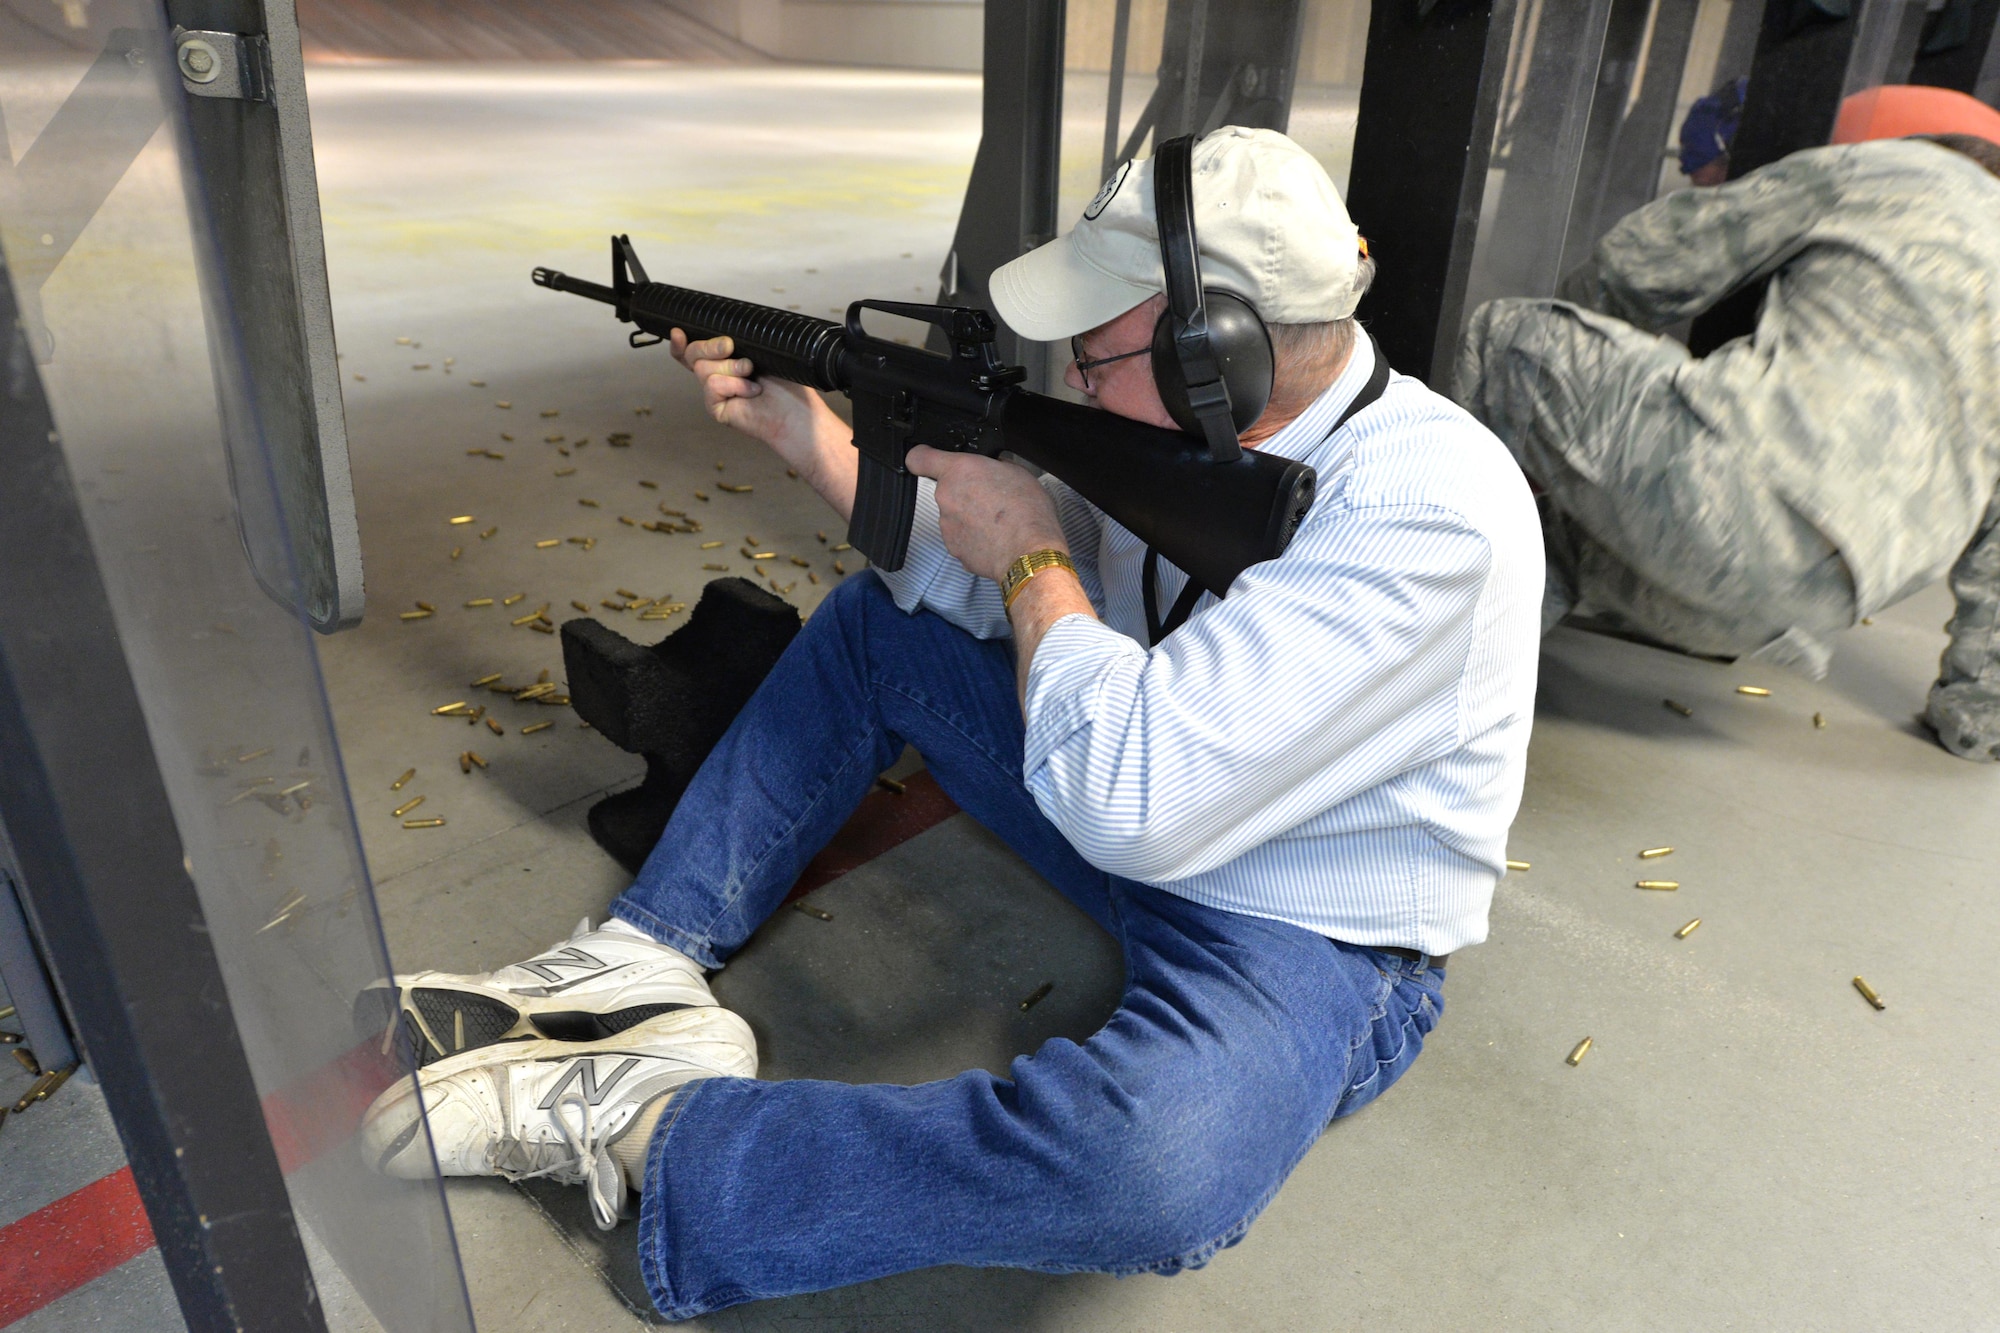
<point>1076,660</point>
<point>1320,676</point>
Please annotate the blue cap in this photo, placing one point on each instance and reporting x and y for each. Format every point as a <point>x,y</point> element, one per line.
<point>1711,126</point>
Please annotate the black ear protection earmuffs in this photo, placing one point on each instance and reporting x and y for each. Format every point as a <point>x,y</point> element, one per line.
<point>1211,352</point>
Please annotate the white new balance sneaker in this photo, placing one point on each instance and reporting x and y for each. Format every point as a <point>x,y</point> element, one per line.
<point>595,985</point>
<point>533,1107</point>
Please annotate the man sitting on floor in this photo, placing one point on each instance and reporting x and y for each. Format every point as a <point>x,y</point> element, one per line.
<point>1287,810</point>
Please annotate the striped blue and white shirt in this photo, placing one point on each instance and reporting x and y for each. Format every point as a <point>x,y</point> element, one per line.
<point>1340,743</point>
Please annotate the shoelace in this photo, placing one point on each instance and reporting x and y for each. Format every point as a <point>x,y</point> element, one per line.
<point>585,1155</point>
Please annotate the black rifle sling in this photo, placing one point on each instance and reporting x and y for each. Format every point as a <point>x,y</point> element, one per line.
<point>1183,607</point>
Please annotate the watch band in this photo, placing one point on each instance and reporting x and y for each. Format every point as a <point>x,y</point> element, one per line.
<point>1029,565</point>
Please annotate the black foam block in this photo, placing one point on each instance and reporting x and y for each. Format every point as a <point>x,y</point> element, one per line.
<point>673,701</point>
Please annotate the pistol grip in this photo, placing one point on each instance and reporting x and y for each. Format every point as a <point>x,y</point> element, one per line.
<point>885,503</point>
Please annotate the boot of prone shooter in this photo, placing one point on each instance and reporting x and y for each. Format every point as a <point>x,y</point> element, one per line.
<point>671,702</point>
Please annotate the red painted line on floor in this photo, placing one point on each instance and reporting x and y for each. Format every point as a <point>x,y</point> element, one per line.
<point>77,1239</point>
<point>882,820</point>
<point>314,1114</point>
<point>82,1236</point>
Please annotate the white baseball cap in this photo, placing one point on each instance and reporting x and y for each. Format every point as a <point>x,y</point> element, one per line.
<point>1269,224</point>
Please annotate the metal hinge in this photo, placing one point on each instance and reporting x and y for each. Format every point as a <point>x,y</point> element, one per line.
<point>224,64</point>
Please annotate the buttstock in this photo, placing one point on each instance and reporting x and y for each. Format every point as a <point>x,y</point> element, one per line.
<point>1211,520</point>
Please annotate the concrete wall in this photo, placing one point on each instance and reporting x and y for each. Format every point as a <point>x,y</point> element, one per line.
<point>947,34</point>
<point>910,34</point>
<point>1331,45</point>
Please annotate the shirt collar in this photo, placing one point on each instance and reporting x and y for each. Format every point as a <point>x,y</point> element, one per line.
<point>1307,434</point>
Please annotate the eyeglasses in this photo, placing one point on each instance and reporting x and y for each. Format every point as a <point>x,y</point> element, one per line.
<point>1084,365</point>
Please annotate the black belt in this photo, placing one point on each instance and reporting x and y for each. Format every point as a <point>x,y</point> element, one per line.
<point>1421,959</point>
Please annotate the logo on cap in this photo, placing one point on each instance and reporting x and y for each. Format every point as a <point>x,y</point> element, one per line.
<point>1108,193</point>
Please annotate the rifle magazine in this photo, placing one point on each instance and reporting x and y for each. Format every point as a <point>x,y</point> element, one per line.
<point>885,503</point>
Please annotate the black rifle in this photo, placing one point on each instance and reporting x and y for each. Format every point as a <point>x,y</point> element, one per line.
<point>1213,520</point>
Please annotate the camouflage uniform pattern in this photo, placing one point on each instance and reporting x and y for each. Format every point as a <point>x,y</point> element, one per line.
<point>1840,458</point>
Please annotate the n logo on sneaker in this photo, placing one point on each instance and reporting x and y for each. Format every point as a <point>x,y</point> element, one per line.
<point>584,1074</point>
<point>568,956</point>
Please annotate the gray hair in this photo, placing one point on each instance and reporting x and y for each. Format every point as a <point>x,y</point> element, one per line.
<point>1305,354</point>
<point>1983,151</point>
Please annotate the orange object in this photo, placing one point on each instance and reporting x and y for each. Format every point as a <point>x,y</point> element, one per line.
<point>1896,111</point>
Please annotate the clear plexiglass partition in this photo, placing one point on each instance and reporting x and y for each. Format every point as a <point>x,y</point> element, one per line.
<point>105,223</point>
<point>1593,97</point>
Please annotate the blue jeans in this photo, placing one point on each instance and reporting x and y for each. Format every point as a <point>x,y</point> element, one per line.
<point>1145,1149</point>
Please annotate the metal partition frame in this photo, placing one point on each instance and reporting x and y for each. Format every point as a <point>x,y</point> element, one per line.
<point>1221,62</point>
<point>1430,87</point>
<point>249,150</point>
<point>30,988</point>
<point>1010,201</point>
<point>1430,90</point>
<point>1797,79</point>
<point>1954,45</point>
<point>1645,54</point>
<point>250,143</point>
<point>1561,82</point>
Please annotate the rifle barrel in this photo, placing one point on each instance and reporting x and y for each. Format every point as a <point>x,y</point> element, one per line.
<point>783,343</point>
<point>563,282</point>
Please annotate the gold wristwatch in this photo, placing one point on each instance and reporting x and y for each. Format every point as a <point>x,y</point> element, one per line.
<point>1029,565</point>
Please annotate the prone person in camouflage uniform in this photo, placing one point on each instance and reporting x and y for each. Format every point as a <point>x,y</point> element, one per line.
<point>1753,501</point>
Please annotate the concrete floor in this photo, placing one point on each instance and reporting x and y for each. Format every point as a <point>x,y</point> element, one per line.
<point>56,1147</point>
<point>1747,1144</point>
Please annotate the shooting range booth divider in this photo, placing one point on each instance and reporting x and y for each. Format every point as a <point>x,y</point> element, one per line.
<point>100,861</point>
<point>249,158</point>
<point>1010,200</point>
<point>1430,89</point>
<point>183,839</point>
